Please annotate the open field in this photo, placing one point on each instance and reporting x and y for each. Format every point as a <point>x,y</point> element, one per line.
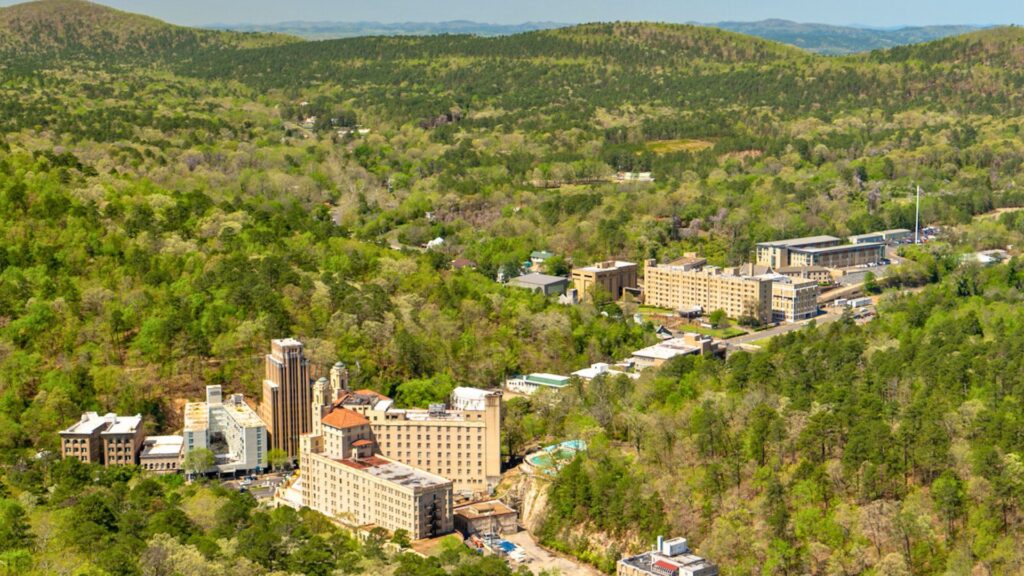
<point>680,145</point>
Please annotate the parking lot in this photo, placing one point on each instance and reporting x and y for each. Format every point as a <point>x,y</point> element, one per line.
<point>263,487</point>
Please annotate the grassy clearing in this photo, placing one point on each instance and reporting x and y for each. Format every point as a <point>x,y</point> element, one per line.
<point>722,333</point>
<point>681,145</point>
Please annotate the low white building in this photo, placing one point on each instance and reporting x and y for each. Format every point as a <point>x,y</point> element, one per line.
<point>530,383</point>
<point>595,370</point>
<point>231,430</point>
<point>666,350</point>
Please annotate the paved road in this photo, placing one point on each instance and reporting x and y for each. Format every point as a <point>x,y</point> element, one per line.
<point>830,316</point>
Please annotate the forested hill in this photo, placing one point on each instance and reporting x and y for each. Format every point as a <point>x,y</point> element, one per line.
<point>76,28</point>
<point>836,40</point>
<point>1001,48</point>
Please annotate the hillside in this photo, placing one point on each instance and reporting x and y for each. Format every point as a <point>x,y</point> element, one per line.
<point>333,30</point>
<point>171,199</point>
<point>77,28</point>
<point>1001,48</point>
<point>838,40</point>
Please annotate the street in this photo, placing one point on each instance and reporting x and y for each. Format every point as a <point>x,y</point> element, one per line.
<point>829,316</point>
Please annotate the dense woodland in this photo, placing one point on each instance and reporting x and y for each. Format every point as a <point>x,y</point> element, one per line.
<point>171,199</point>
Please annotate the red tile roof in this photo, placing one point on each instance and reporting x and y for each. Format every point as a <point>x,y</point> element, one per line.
<point>367,391</point>
<point>666,565</point>
<point>342,418</point>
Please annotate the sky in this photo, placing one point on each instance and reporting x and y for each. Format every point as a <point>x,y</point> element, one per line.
<point>881,13</point>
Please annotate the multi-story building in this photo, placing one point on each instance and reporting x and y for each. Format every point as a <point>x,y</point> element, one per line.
<point>845,256</point>
<point>670,558</point>
<point>613,277</point>
<point>162,454</point>
<point>707,289</point>
<point>344,477</point>
<point>231,430</point>
<point>776,254</point>
<point>793,299</point>
<point>461,443</point>
<point>110,439</point>
<point>287,395</point>
<point>122,440</point>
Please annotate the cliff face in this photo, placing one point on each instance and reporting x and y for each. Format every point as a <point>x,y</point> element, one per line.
<point>528,494</point>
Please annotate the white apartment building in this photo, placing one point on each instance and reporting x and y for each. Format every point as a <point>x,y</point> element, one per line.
<point>231,430</point>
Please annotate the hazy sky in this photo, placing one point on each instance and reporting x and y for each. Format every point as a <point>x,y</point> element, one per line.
<point>869,12</point>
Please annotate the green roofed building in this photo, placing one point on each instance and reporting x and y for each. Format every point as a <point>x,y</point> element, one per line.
<point>530,383</point>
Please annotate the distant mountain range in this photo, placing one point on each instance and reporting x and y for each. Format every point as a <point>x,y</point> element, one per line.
<point>330,30</point>
<point>828,39</point>
<point>820,38</point>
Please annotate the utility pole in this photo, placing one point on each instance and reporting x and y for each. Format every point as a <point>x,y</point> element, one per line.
<point>917,218</point>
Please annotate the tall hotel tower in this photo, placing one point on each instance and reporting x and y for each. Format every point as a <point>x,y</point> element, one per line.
<point>287,395</point>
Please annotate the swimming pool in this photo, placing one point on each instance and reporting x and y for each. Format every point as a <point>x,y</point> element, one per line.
<point>556,454</point>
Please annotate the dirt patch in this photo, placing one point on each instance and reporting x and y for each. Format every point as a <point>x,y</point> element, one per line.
<point>543,559</point>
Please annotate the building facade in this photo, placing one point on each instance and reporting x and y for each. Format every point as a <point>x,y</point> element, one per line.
<point>794,299</point>
<point>344,478</point>
<point>287,395</point>
<point>846,256</point>
<point>462,443</point>
<point>231,430</point>
<point>613,277</point>
<point>776,254</point>
<point>109,439</point>
<point>680,288</point>
<point>487,517</point>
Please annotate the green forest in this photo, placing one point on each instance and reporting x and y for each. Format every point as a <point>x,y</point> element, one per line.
<point>171,199</point>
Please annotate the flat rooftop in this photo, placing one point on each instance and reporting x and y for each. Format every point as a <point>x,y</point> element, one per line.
<point>124,425</point>
<point>287,342</point>
<point>607,265</point>
<point>197,417</point>
<point>538,279</point>
<point>162,446</point>
<point>395,472</point>
<point>842,248</point>
<point>243,414</point>
<point>667,349</point>
<point>483,510</point>
<point>88,423</point>
<point>545,379</point>
<point>796,242</point>
<point>648,560</point>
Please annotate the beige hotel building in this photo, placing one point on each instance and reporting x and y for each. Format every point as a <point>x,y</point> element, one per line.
<point>461,441</point>
<point>344,478</point>
<point>685,287</point>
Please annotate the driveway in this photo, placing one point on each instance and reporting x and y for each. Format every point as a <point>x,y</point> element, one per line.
<point>545,560</point>
<point>783,329</point>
